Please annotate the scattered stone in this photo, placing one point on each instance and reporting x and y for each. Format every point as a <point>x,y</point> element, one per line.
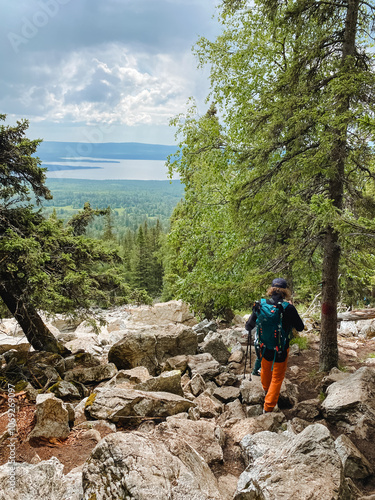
<point>252,392</point>
<point>196,385</point>
<point>92,374</point>
<point>307,410</point>
<point>209,407</point>
<point>266,422</point>
<point>226,394</point>
<point>226,378</point>
<point>356,466</point>
<point>294,470</point>
<point>199,434</point>
<point>214,345</point>
<point>166,382</point>
<point>65,390</point>
<point>52,418</point>
<point>254,446</point>
<point>205,365</point>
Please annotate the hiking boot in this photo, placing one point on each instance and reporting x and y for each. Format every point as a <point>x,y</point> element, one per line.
<point>256,372</point>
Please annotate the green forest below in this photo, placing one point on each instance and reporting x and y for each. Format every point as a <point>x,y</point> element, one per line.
<point>132,202</point>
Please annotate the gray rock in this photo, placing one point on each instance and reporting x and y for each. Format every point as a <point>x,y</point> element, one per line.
<point>138,465</point>
<point>116,404</point>
<point>254,446</point>
<point>176,363</point>
<point>356,466</point>
<point>335,375</point>
<point>209,406</point>
<point>295,470</point>
<point>307,410</point>
<point>65,390</point>
<point>214,345</point>
<point>350,403</point>
<point>92,374</point>
<point>150,347</point>
<point>226,394</point>
<point>226,378</point>
<point>237,430</point>
<point>252,392</point>
<point>165,382</point>
<point>199,434</point>
<point>52,418</point>
<point>196,385</point>
<point>136,375</point>
<point>42,480</point>
<point>205,365</point>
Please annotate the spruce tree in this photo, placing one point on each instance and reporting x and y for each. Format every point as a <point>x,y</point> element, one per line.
<point>294,85</point>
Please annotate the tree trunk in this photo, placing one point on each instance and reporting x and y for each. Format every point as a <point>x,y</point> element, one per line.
<point>31,323</point>
<point>328,353</point>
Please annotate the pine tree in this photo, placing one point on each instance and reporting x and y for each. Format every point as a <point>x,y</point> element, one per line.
<point>295,87</point>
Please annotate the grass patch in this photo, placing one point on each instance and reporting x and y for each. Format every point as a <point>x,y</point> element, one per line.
<point>302,342</point>
<point>372,355</point>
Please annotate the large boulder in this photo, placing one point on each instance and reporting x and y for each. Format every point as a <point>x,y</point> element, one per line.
<point>307,466</point>
<point>205,437</point>
<point>123,404</point>
<point>52,418</point>
<point>91,374</point>
<point>137,465</point>
<point>174,311</point>
<point>165,382</point>
<point>214,344</point>
<point>238,429</point>
<point>42,480</point>
<point>151,346</point>
<point>204,365</point>
<point>350,403</point>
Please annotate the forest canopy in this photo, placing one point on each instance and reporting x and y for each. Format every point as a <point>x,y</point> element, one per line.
<point>279,173</point>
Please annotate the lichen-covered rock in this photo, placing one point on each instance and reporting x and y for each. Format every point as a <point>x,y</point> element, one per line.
<point>307,466</point>
<point>165,382</point>
<point>118,403</point>
<point>40,481</point>
<point>52,418</point>
<point>350,403</point>
<point>137,465</point>
<point>356,466</point>
<point>152,346</point>
<point>200,435</point>
<point>91,374</point>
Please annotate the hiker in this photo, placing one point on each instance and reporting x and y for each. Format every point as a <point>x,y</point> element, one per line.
<point>274,355</point>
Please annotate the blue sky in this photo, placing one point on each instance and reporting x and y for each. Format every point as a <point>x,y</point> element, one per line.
<point>102,70</point>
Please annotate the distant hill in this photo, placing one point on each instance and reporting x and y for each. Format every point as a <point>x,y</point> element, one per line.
<point>59,151</point>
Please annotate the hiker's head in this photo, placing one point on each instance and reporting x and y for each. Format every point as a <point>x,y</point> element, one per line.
<point>279,286</point>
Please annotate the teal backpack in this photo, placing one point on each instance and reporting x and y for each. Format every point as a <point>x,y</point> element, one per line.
<point>271,334</point>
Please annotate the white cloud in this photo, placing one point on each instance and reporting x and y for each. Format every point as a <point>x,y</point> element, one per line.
<point>119,62</point>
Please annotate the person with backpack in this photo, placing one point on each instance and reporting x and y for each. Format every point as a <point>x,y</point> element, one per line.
<point>274,318</point>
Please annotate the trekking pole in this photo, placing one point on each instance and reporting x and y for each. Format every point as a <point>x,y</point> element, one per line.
<point>247,351</point>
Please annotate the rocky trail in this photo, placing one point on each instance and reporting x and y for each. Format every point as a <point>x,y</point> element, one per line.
<point>156,406</point>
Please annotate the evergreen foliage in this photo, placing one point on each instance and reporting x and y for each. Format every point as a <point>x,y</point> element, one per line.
<point>284,184</point>
<point>45,265</point>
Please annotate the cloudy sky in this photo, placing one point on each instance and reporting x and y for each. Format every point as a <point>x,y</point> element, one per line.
<point>102,70</point>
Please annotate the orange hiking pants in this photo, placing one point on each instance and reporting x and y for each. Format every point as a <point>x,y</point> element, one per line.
<point>271,381</point>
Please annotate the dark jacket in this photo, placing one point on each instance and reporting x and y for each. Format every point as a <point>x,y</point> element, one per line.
<point>291,319</point>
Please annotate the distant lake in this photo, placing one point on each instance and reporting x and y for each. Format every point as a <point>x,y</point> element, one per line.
<point>104,168</point>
